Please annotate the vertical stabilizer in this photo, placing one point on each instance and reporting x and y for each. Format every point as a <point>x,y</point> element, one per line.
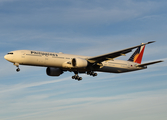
<point>137,55</point>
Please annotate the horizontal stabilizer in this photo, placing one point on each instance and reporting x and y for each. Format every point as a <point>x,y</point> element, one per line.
<point>150,63</point>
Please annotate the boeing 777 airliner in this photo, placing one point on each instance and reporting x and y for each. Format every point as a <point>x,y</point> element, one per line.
<point>58,63</point>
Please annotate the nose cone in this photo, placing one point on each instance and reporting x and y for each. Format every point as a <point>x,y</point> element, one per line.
<point>9,57</point>
<point>6,57</point>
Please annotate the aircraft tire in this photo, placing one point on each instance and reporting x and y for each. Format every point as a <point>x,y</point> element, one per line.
<point>95,74</point>
<point>18,69</point>
<point>73,77</point>
<point>80,78</point>
<point>76,77</point>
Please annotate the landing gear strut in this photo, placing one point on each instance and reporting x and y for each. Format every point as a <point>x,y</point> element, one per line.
<point>76,77</point>
<point>17,65</point>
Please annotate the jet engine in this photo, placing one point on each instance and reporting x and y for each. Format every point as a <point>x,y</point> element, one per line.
<point>79,63</point>
<point>51,71</point>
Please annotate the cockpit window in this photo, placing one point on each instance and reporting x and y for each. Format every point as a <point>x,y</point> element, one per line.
<point>10,53</point>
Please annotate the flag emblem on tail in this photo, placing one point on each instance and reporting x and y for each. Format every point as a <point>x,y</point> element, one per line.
<point>137,55</point>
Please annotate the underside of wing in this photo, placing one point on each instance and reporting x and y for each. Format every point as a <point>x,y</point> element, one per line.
<point>112,55</point>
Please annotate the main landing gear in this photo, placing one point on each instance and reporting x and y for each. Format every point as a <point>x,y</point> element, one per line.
<point>91,73</point>
<point>76,77</point>
<point>17,65</point>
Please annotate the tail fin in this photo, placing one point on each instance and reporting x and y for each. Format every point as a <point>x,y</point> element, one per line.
<point>137,55</point>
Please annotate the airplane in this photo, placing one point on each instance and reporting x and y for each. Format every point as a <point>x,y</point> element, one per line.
<point>58,63</point>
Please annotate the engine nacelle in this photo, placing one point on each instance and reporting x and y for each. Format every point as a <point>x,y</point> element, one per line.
<point>51,71</point>
<point>79,63</point>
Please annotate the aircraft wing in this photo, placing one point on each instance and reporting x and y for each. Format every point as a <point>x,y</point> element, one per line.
<point>150,63</point>
<point>112,55</point>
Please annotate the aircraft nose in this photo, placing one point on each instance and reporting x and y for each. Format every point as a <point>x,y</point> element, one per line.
<point>5,57</point>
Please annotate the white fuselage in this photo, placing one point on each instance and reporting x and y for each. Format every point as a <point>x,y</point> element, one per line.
<point>63,61</point>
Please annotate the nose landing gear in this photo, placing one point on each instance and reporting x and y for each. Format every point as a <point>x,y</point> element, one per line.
<point>18,69</point>
<point>17,65</point>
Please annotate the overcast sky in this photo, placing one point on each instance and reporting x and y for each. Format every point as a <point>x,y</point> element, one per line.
<point>91,28</point>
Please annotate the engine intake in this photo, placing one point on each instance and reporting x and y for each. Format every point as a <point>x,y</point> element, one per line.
<point>79,63</point>
<point>51,71</point>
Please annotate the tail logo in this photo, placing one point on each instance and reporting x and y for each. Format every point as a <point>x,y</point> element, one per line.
<point>137,55</point>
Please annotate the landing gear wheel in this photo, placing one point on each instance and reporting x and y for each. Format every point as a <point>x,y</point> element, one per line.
<point>80,78</point>
<point>76,77</point>
<point>73,77</point>
<point>18,69</point>
<point>95,74</point>
<point>91,73</point>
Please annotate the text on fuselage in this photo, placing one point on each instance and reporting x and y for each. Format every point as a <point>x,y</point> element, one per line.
<point>43,53</point>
